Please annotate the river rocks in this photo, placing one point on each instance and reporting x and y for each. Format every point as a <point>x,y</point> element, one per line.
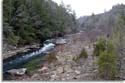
<point>21,71</point>
<point>60,41</point>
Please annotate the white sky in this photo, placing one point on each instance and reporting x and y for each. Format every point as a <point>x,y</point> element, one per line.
<point>87,7</point>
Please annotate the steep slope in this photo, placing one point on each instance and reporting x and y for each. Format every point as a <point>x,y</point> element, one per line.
<point>110,24</point>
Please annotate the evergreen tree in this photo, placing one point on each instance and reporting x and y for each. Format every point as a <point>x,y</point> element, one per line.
<point>107,60</point>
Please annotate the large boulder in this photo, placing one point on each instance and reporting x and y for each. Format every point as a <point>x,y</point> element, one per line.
<point>21,71</point>
<point>60,41</point>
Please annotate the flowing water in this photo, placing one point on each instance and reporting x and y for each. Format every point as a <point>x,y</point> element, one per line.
<point>18,62</point>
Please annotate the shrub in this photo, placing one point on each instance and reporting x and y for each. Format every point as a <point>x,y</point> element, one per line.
<point>83,54</point>
<point>99,47</point>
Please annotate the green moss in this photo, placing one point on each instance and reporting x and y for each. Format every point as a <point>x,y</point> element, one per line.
<point>34,64</point>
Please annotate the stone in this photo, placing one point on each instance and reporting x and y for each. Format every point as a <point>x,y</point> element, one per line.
<point>54,76</point>
<point>67,75</point>
<point>63,79</point>
<point>67,68</point>
<point>60,70</point>
<point>122,77</point>
<point>35,76</point>
<point>77,72</point>
<point>21,71</point>
<point>122,64</point>
<point>43,69</point>
<point>95,71</point>
<point>68,78</point>
<point>60,59</point>
<point>60,41</point>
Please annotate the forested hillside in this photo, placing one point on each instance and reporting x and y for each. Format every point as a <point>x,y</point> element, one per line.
<point>32,21</point>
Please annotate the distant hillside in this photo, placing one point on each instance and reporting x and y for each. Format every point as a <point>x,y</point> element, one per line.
<point>104,23</point>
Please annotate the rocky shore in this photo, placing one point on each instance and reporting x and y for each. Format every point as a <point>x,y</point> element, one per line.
<point>65,68</point>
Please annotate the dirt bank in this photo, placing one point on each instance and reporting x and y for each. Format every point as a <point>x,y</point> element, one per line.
<point>9,51</point>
